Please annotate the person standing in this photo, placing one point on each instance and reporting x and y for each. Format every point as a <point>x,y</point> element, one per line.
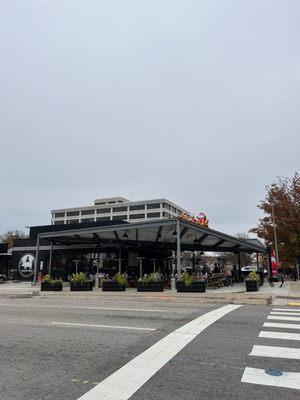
<point>228,274</point>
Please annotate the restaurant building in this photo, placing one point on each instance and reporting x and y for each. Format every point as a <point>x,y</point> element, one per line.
<point>119,246</point>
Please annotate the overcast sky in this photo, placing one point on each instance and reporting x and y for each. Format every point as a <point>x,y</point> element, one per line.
<point>196,101</point>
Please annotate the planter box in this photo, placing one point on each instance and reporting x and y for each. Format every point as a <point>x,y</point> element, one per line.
<point>112,286</point>
<point>196,286</point>
<point>81,287</point>
<point>150,287</point>
<point>53,287</point>
<point>252,286</point>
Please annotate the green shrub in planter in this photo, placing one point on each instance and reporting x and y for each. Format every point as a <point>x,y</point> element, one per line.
<point>150,283</point>
<point>252,282</point>
<point>79,282</point>
<point>117,284</point>
<point>49,284</point>
<point>188,283</point>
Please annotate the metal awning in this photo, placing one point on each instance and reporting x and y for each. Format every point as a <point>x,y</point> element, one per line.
<point>161,233</point>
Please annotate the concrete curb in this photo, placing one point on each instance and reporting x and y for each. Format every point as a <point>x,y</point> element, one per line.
<point>26,295</point>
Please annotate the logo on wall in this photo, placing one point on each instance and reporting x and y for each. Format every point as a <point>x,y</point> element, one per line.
<point>26,265</point>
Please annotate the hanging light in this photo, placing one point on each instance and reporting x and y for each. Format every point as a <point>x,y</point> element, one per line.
<point>196,240</point>
<point>125,235</point>
<point>174,233</point>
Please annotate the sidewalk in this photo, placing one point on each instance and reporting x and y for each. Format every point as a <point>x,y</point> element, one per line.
<point>288,294</point>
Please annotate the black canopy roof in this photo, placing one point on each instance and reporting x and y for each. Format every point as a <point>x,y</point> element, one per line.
<point>161,233</point>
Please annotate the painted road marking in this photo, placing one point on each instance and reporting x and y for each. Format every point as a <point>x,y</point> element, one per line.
<point>281,325</point>
<point>293,304</point>
<point>285,313</point>
<point>289,380</point>
<point>123,383</point>
<point>284,318</point>
<point>103,326</point>
<point>84,308</point>
<point>279,335</point>
<point>276,352</point>
<point>292,310</point>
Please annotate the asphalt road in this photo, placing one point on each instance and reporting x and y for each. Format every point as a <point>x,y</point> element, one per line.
<point>61,349</point>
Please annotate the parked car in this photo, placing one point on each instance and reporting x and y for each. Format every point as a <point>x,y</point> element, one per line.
<point>2,278</point>
<point>250,268</point>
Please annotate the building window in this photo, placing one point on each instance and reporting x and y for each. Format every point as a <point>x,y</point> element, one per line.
<point>59,222</point>
<point>111,202</point>
<point>153,206</point>
<point>72,213</point>
<point>103,210</point>
<point>153,215</point>
<point>103,219</point>
<point>174,210</point>
<point>138,207</point>
<point>119,209</point>
<point>87,212</point>
<point>100,204</point>
<point>83,220</point>
<point>120,218</point>
<point>167,206</point>
<point>59,215</point>
<point>166,215</point>
<point>136,216</point>
<point>72,221</point>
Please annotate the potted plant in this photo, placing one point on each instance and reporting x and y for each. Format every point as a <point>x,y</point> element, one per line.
<point>188,283</point>
<point>49,284</point>
<point>79,282</point>
<point>117,284</point>
<point>150,283</point>
<point>252,282</point>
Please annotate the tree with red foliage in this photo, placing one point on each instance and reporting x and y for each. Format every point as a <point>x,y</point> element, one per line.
<point>284,195</point>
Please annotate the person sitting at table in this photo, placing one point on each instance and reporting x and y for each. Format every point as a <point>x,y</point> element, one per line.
<point>216,269</point>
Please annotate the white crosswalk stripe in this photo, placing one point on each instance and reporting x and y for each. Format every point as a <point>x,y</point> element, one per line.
<point>289,380</point>
<point>279,335</point>
<point>284,318</point>
<point>284,379</point>
<point>285,313</point>
<point>275,352</point>
<point>281,325</point>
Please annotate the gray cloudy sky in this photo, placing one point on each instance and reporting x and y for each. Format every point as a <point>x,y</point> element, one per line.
<point>196,101</point>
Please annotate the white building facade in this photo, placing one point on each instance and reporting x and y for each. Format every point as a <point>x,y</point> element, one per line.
<point>118,208</point>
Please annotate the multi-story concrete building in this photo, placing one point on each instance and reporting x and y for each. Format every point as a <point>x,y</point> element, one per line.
<point>118,208</point>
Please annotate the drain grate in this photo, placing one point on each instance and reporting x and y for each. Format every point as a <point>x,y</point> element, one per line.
<point>273,372</point>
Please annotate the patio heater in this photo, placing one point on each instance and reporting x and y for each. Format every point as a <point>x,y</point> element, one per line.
<point>141,259</point>
<point>154,263</point>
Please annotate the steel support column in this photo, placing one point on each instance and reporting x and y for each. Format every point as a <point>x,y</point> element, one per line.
<point>36,264</point>
<point>50,259</point>
<point>178,253</point>
<point>120,260</point>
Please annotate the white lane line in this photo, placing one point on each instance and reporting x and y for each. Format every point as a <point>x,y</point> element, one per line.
<point>281,325</point>
<point>103,326</point>
<point>284,318</point>
<point>284,313</point>
<point>287,309</point>
<point>123,383</point>
<point>276,352</point>
<point>279,335</point>
<point>85,308</point>
<point>289,380</point>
